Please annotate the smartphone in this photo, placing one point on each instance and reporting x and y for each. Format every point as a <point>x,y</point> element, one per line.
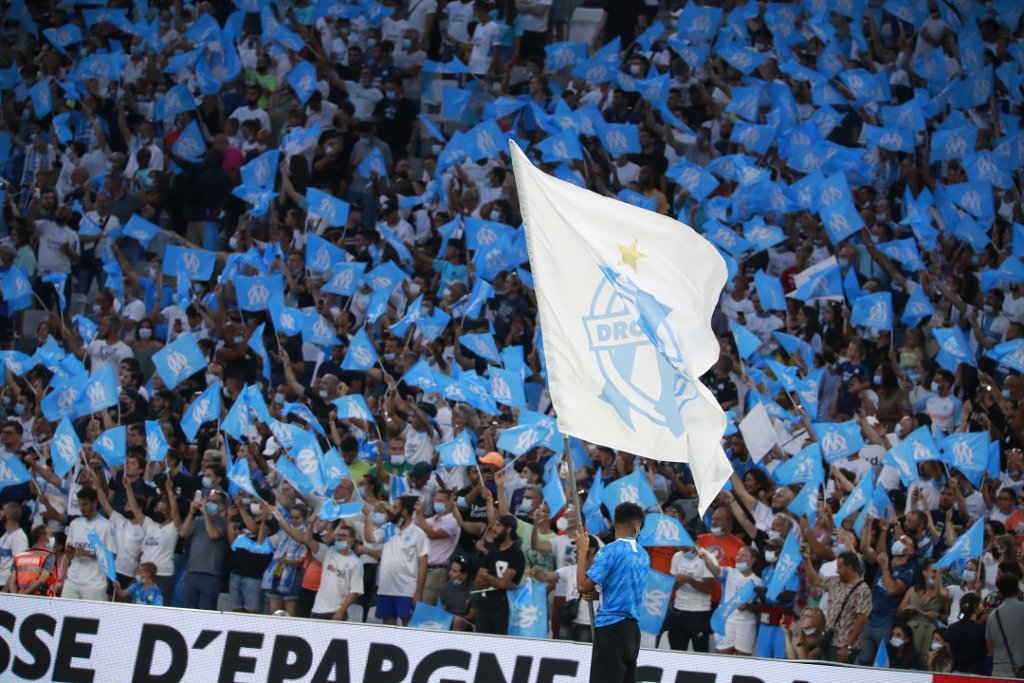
<point>197,497</point>
<point>786,620</point>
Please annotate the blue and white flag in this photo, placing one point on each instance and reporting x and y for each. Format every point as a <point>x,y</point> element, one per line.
<point>786,566</point>
<point>747,343</point>
<point>98,392</point>
<point>309,461</point>
<point>179,360</point>
<point>482,345</point>
<point>243,542</point>
<point>42,99</point>
<point>60,38</point>
<point>111,446</point>
<point>458,452</point>
<point>952,143</point>
<point>825,283</point>
<point>421,377</point>
<point>253,293</point>
<point>195,264</point>
<point>795,346</point>
<point>64,448</point>
<point>373,164</point>
<point>838,439</point>
<point>953,348</point>
<point>905,253</point>
<point>353,407</point>
<point>239,475</point>
<point>430,617</point>
<point>969,546</point>
<point>345,278</point>
<point>104,556</point>
<point>361,354</point>
<point>260,173</point>
<point>857,498</point>
<point>917,308</point>
<point>873,311</point>
<point>657,593</point>
<point>1010,354</point>
<point>619,295</point>
<point>285,318</point>
<point>882,656</point>
<point>741,597</point>
<point>63,400</point>
<point>808,390</point>
<point>521,438</point>
<point>967,452</point>
<point>156,443</point>
<point>176,100</point>
<point>140,230</point>
<point>302,79</point>
<point>507,388</point>
<point>330,510</point>
<point>528,610</point>
<point>564,146</point>
<point>620,138</point>
<point>554,494</point>
<point>335,469</point>
<point>190,144</point>
<point>892,139</point>
<point>805,503</point>
<point>663,531</point>
<point>633,488</point>
<point>19,283</point>
<point>318,331</point>
<point>327,209</point>
<point>12,472</point>
<point>205,408</point>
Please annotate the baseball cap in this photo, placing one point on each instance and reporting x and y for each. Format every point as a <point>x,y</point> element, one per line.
<point>492,458</point>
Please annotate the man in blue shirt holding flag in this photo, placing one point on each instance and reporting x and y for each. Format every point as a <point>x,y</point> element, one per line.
<point>620,569</point>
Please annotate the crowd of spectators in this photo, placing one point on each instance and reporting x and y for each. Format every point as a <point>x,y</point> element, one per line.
<point>741,119</point>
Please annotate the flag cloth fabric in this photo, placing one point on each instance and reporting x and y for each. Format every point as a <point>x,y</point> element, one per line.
<point>104,556</point>
<point>625,299</point>
<point>112,445</point>
<point>432,617</point>
<point>458,452</point>
<point>882,657</point>
<point>64,448</point>
<point>205,408</point>
<point>632,488</point>
<point>786,566</point>
<point>179,360</point>
<point>528,610</point>
<point>969,546</point>
<point>657,592</point>
<point>156,443</point>
<point>662,531</point>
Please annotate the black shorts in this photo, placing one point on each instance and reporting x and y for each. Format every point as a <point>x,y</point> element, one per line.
<point>616,648</point>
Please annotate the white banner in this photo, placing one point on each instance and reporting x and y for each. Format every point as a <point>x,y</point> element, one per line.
<point>70,640</point>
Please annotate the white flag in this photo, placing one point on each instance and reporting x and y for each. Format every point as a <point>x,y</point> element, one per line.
<point>626,298</point>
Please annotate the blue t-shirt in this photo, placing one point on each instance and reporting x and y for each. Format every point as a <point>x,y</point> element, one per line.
<point>140,595</point>
<point>883,605</point>
<point>793,584</point>
<point>620,569</point>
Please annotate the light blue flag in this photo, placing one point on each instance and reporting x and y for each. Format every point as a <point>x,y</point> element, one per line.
<point>104,556</point>
<point>657,593</point>
<point>176,100</point>
<point>741,57</point>
<point>205,408</point>
<point>841,220</point>
<point>389,235</point>
<point>974,197</point>
<point>954,348</point>
<point>309,459</point>
<point>809,389</point>
<point>156,444</point>
<point>969,231</point>
<point>786,566</point>
<point>952,143</point>
<point>560,55</point>
<point>697,181</point>
<point>620,138</point>
<point>721,615</point>
<point>254,293</point>
<point>805,503</point>
<point>595,522</point>
<point>967,452</point>
<point>238,420</point>
<point>18,282</point>
<point>904,252</point>
<point>994,455</point>
<point>431,128</point>
<point>60,38</point>
<point>481,233</point>
<point>196,264</point>
<point>361,354</point>
<point>179,360</point>
<point>111,445</point>
<point>554,495</point>
<point>892,139</point>
<point>431,617</point>
<point>507,388</point>
<point>190,144</point>
<point>321,255</point>
<point>335,469</point>
<point>528,610</point>
<point>1010,354</point>
<point>99,392</point>
<point>478,296</point>
<point>353,407</point>
<point>795,346</point>
<point>873,311</point>
<point>983,166</point>
<point>385,276</point>
<point>373,164</point>
<point>755,138</point>
<point>330,510</point>
<point>632,488</point>
<point>42,99</point>
<point>64,448</point>
<point>327,209</point>
<point>918,307</point>
<point>302,79</point>
<point>345,278</point>
<point>882,656</point>
<point>827,282</point>
<point>838,439</point>
<point>746,341</point>
<point>761,235</point>
<point>662,531</point>
<point>564,146</point>
<point>239,475</point>
<point>803,467</point>
<point>243,542</point>
<point>482,345</point>
<point>421,377</point>
<point>726,238</point>
<point>458,452</point>
<point>317,330</point>
<point>378,305</point>
<point>787,375</point>
<point>286,319</point>
<point>260,173</point>
<point>140,230</point>
<point>521,438</point>
<point>969,546</point>
<point>12,472</point>
<point>857,499</point>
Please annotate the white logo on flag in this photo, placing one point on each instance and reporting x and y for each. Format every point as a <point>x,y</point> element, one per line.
<point>322,260</point>
<point>362,355</point>
<point>306,461</point>
<point>838,223</point>
<point>258,294</point>
<point>655,601</point>
<point>177,362</point>
<point>749,136</point>
<point>560,150</point>
<point>629,494</point>
<point>96,393</point>
<point>811,162</point>
<point>306,84</point>
<point>962,454</point>
<point>879,313</point>
<point>891,140</point>
<point>833,442</point>
<point>830,195</point>
<point>6,474</point>
<point>461,453</point>
<point>262,172</point>
<point>702,24</point>
<point>741,59</point>
<point>201,411</point>
<point>343,279</point>
<point>526,440</point>
<point>502,391</point>
<point>152,444</point>
<point>484,141</point>
<point>921,452</point>
<point>666,531</point>
<point>855,83</point>
<point>981,89</point>
<point>689,178</point>
<point>20,285</point>
<point>320,329</point>
<point>485,236</point>
<point>955,146</point>
<point>188,146</point>
<point>66,448</point>
<point>66,398</point>
<point>191,262</point>
<point>287,320</point>
<point>971,201</point>
<point>527,616</point>
<point>615,140</point>
<point>105,443</point>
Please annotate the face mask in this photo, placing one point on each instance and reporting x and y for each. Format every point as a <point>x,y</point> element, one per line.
<point>254,508</point>
<point>211,508</point>
<point>1006,394</point>
<point>406,44</point>
<point>207,482</point>
<point>461,502</point>
<point>379,518</point>
<point>138,578</point>
<point>390,357</point>
<point>898,548</point>
<point>930,583</point>
<point>239,339</point>
<point>844,263</point>
<point>771,556</point>
<point>439,508</point>
<point>371,42</point>
<point>898,429</point>
<point>322,394</point>
<point>158,517</point>
<point>773,534</point>
<point>840,549</point>
<point>210,379</point>
<point>341,546</point>
<point>96,308</point>
<point>936,646</point>
<point>809,631</point>
<point>987,309</point>
<point>689,554</point>
<point>19,409</point>
<point>562,524</point>
<point>233,243</point>
<point>969,576</point>
<point>526,505</point>
<point>496,216</point>
<point>636,69</point>
<point>51,542</point>
<point>896,642</point>
<point>934,387</point>
<point>877,379</point>
<point>456,582</point>
<point>398,460</point>
<point>145,333</point>
<point>391,95</point>
<point>717,531</point>
<point>742,566</point>
<point>278,399</point>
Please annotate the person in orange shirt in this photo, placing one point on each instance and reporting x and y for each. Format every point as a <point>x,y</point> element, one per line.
<point>722,544</point>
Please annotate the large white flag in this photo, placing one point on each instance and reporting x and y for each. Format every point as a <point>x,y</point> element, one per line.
<point>626,298</point>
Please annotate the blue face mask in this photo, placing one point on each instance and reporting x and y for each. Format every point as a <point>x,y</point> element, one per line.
<point>898,548</point>
<point>742,566</point>
<point>391,95</point>
<point>19,409</point>
<point>341,546</point>
<point>462,502</point>
<point>211,508</point>
<point>379,518</point>
<point>456,582</point>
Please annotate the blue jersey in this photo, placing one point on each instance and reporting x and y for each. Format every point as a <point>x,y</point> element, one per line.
<point>620,569</point>
<point>140,595</point>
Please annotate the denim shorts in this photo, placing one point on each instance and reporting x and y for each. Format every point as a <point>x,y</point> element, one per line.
<point>245,594</point>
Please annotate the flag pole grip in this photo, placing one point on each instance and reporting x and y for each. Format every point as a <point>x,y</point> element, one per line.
<point>571,467</point>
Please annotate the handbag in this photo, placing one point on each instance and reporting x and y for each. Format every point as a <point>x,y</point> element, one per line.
<point>828,635</point>
<point>1018,671</point>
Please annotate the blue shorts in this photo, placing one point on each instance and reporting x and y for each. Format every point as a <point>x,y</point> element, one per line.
<point>394,606</point>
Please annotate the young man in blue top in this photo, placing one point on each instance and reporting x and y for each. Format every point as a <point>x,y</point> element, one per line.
<point>620,569</point>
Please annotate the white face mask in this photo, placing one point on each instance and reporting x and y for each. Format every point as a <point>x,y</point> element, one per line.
<point>896,642</point>
<point>562,524</point>
<point>809,630</point>
<point>771,556</point>
<point>145,333</point>
<point>254,508</point>
<point>718,531</point>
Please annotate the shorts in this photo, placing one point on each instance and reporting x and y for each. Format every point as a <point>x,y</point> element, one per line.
<point>394,606</point>
<point>245,594</point>
<point>291,597</point>
<point>739,635</point>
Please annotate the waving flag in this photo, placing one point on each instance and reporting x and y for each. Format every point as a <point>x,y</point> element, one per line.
<point>111,445</point>
<point>205,408</point>
<point>823,283</point>
<point>507,388</point>
<point>917,308</point>
<point>327,209</point>
<point>521,438</point>
<point>361,354</point>
<point>345,278</point>
<point>657,592</point>
<point>190,144</point>
<point>641,294</point>
<point>353,407</point>
<point>64,448</point>
<point>838,439</point>
<point>795,346</point>
<point>554,495</point>
<point>721,615</point>
<point>12,472</point>
<point>805,503</point>
<point>857,498</point>
<point>1010,354</point>
<point>239,476</point>
<point>482,345</point>
<point>99,392</point>
<point>969,546</point>
<point>953,348</point>
<point>196,264</point>
<point>421,377</point>
<point>42,99</point>
<point>967,452</point>
<point>302,79</point>
<point>663,531</point>
<point>176,100</point>
<point>882,656</point>
<point>179,360</point>
<point>633,488</point>
<point>873,311</point>
<point>620,138</point>
<point>104,556</point>
<point>747,343</point>
<point>528,610</point>
<point>786,566</point>
<point>156,443</point>
<point>458,452</point>
<point>431,617</point>
<point>254,293</point>
<point>373,164</point>
<point>952,143</point>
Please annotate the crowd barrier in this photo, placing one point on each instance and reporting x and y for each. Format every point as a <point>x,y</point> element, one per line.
<point>75,641</point>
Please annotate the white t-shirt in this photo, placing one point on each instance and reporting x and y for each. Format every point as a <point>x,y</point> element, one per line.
<point>85,571</point>
<point>485,37</point>
<point>158,546</point>
<point>532,22</point>
<point>459,15</point>
<point>734,580</point>
<point>419,446</point>
<point>51,237</point>
<point>417,15</point>
<point>400,561</point>
<point>342,574</point>
<point>244,114</point>
<point>128,543</point>
<point>11,543</point>
<point>688,598</point>
<point>102,354</point>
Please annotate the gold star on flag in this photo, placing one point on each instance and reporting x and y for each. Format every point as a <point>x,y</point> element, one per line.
<point>630,255</point>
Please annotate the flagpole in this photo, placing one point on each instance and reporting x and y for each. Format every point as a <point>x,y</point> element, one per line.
<point>571,467</point>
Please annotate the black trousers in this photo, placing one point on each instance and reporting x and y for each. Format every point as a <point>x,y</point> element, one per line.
<point>616,648</point>
<point>688,627</point>
<point>492,617</point>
